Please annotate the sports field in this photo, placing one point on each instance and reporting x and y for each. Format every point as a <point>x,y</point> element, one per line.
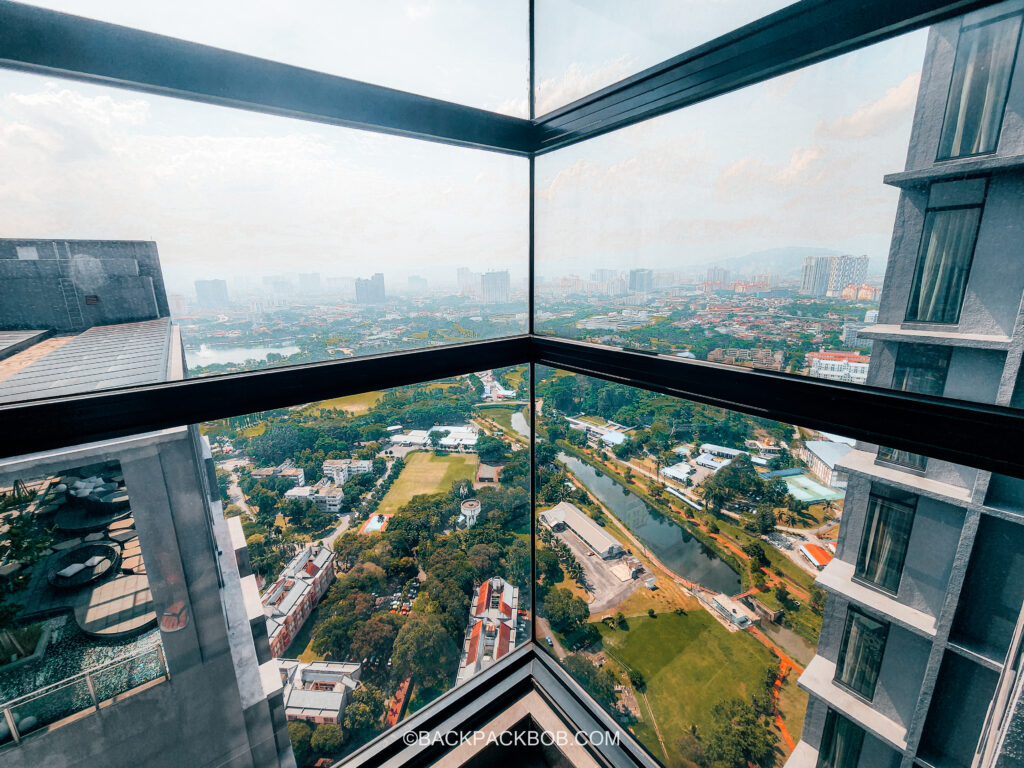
<point>690,663</point>
<point>354,404</point>
<point>425,472</point>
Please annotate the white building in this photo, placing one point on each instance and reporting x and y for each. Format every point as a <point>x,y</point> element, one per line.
<point>565,515</point>
<point>839,367</point>
<point>822,456</point>
<point>342,470</point>
<point>469,513</point>
<point>459,438</point>
<point>329,499</point>
<point>678,472</point>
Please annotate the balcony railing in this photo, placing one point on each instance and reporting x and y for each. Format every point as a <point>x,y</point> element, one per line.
<point>47,707</point>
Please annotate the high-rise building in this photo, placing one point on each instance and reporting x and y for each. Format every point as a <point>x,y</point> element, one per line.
<point>370,291</point>
<point>717,276</point>
<point>494,287</point>
<point>417,284</point>
<point>309,282</point>
<point>641,280</point>
<point>815,275</point>
<point>844,271</point>
<point>144,591</point>
<point>469,282</point>
<point>212,293</point>
<point>918,662</point>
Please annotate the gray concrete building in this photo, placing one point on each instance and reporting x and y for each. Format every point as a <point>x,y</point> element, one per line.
<point>814,275</point>
<point>918,663</point>
<point>70,285</point>
<point>140,568</point>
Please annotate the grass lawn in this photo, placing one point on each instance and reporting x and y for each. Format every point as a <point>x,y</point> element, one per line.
<point>801,619</point>
<point>301,647</point>
<point>690,663</point>
<point>253,431</point>
<point>360,403</point>
<point>501,414</point>
<point>425,472</point>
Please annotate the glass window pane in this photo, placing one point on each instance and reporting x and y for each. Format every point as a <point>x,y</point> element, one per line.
<point>841,744</point>
<point>884,544</point>
<point>943,265</point>
<point>689,234</point>
<point>860,656</point>
<point>977,94</point>
<point>248,240</point>
<point>585,45</point>
<point>469,51</point>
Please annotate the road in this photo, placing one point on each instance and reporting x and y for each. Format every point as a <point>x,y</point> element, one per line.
<point>544,631</point>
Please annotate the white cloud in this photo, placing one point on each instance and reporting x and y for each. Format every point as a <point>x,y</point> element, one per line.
<point>889,111</point>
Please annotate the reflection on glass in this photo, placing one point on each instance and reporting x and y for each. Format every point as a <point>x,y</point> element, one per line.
<point>919,368</point>
<point>860,655</point>
<point>841,742</point>
<point>943,265</point>
<point>981,79</point>
<point>884,544</point>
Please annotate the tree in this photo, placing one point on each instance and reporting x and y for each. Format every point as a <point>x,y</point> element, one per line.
<point>436,436</point>
<point>491,450</point>
<point>599,682</point>
<point>363,713</point>
<point>738,738</point>
<point>817,600</point>
<point>564,610</point>
<point>758,556</point>
<point>300,734</point>
<point>328,739</point>
<point>377,636</point>
<point>424,650</point>
<point>637,679</point>
<point>765,520</point>
<point>620,620</point>
<point>782,594</point>
<point>651,613</point>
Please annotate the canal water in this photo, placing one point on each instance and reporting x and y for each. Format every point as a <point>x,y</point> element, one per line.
<point>669,542</point>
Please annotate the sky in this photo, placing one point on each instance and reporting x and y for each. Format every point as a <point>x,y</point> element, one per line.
<point>794,161</point>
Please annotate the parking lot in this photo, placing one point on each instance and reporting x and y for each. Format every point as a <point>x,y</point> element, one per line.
<point>607,590</point>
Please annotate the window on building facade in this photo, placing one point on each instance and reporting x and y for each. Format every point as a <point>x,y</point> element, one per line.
<point>977,94</point>
<point>860,655</point>
<point>883,547</point>
<point>922,369</point>
<point>841,742</point>
<point>943,265</point>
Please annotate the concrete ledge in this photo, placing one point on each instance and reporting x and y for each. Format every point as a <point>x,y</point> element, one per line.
<point>862,463</point>
<point>838,579</point>
<point>270,677</point>
<point>935,336</point>
<point>817,679</point>
<point>238,547</point>
<point>251,596</point>
<point>804,756</point>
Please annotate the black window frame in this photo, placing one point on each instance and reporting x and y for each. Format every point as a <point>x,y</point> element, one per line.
<point>832,718</point>
<point>859,576</point>
<point>944,157</point>
<point>46,42</point>
<point>852,612</point>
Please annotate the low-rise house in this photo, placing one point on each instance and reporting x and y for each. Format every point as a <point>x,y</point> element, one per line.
<point>318,691</point>
<point>285,469</point>
<point>329,499</point>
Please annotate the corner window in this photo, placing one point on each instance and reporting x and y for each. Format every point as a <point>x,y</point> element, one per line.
<point>841,742</point>
<point>947,248</point>
<point>860,656</point>
<point>883,547</point>
<point>977,92</point>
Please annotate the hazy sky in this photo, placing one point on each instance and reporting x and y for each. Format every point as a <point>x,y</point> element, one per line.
<point>224,192</point>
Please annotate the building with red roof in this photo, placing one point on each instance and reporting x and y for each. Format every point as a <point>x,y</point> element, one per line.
<point>492,626</point>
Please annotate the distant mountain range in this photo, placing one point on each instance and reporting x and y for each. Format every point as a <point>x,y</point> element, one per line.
<point>785,262</point>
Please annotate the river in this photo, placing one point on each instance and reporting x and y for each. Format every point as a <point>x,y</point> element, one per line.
<point>207,355</point>
<point>669,542</point>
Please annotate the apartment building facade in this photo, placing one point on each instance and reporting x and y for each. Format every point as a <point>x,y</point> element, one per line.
<point>918,659</point>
